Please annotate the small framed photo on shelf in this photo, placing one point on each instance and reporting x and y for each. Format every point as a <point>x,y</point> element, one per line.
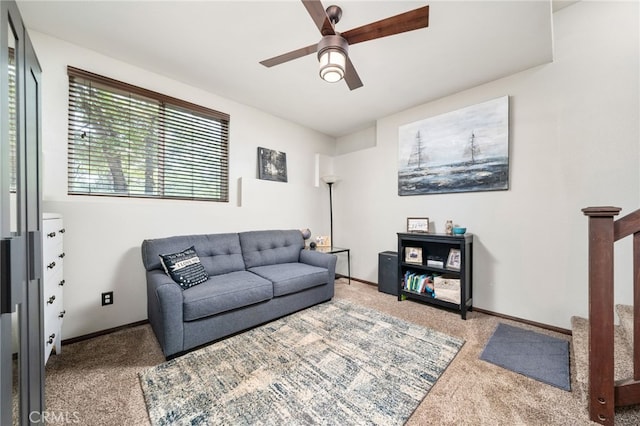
<point>453,261</point>
<point>413,255</point>
<point>418,224</point>
<point>323,241</point>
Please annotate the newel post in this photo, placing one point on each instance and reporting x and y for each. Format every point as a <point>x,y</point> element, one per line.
<point>601,373</point>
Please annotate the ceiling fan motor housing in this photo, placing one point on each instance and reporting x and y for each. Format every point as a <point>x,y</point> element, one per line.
<point>333,42</point>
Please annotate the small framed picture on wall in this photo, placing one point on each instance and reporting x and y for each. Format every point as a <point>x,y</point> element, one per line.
<point>272,165</point>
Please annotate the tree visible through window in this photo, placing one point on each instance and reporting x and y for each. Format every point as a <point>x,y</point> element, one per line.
<point>128,141</point>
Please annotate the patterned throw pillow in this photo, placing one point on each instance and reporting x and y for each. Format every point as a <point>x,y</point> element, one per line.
<point>184,267</point>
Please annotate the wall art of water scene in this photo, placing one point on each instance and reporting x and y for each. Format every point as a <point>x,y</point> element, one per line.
<point>460,151</point>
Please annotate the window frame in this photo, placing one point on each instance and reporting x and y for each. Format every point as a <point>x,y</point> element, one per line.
<point>169,108</point>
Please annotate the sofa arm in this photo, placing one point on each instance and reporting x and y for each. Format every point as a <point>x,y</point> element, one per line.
<point>164,309</point>
<point>321,260</point>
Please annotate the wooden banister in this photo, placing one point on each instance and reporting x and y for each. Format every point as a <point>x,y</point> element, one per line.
<point>636,306</point>
<point>626,225</point>
<point>604,393</point>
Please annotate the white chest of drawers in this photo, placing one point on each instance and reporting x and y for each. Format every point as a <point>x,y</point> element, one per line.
<point>53,281</point>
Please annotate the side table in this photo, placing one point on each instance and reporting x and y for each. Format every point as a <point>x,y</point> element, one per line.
<point>336,250</point>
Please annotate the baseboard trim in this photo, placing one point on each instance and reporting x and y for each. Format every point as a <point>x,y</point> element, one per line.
<point>484,311</point>
<point>524,321</point>
<point>346,277</point>
<point>102,332</point>
<point>146,321</point>
<point>495,314</point>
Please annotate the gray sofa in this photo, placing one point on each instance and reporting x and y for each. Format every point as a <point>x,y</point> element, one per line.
<point>254,277</point>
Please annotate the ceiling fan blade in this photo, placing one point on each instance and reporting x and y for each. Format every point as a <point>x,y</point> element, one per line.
<point>294,54</point>
<point>408,21</point>
<point>319,16</point>
<point>351,76</point>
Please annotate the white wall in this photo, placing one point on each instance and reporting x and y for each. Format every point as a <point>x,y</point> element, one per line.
<point>104,233</point>
<point>362,139</point>
<point>574,142</point>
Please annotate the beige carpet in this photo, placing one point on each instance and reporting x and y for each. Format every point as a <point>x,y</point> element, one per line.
<point>97,379</point>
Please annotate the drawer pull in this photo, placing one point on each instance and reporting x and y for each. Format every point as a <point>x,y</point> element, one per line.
<point>61,283</point>
<point>51,234</point>
<point>51,300</point>
<point>62,231</point>
<point>61,315</point>
<point>51,265</point>
<point>50,341</point>
<point>61,255</point>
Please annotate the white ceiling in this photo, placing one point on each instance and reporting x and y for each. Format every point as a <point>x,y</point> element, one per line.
<point>216,46</point>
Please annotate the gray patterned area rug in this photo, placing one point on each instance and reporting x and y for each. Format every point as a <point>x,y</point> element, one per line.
<point>334,363</point>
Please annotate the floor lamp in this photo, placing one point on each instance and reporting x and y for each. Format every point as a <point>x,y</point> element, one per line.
<point>330,180</point>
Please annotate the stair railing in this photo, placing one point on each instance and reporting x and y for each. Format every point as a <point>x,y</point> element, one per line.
<point>604,393</point>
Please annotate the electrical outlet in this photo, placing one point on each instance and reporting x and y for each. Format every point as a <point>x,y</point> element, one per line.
<point>107,298</point>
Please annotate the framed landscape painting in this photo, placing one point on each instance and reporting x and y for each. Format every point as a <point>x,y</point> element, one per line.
<point>460,151</point>
<point>272,165</point>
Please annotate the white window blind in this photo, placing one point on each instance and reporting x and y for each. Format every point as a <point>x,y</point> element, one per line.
<point>132,142</point>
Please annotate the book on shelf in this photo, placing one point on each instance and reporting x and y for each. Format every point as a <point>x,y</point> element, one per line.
<point>418,283</point>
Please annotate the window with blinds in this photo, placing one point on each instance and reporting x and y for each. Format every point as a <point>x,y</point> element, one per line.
<point>132,142</point>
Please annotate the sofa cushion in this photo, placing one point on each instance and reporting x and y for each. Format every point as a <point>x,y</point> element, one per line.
<point>184,267</point>
<point>221,293</point>
<point>290,278</point>
<point>219,253</point>
<point>260,248</point>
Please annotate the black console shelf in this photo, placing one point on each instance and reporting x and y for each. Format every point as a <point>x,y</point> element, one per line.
<point>437,246</point>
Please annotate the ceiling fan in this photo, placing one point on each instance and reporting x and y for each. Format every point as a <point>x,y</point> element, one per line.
<point>333,48</point>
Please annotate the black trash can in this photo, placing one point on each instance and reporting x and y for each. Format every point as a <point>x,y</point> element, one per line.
<point>388,272</point>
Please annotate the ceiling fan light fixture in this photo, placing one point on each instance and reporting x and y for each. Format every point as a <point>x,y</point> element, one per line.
<point>332,65</point>
<point>332,55</point>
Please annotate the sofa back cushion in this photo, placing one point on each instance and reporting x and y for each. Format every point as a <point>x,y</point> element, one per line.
<point>260,248</point>
<point>218,253</point>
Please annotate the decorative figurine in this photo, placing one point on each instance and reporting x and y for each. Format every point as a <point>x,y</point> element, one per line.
<point>306,233</point>
<point>449,227</point>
